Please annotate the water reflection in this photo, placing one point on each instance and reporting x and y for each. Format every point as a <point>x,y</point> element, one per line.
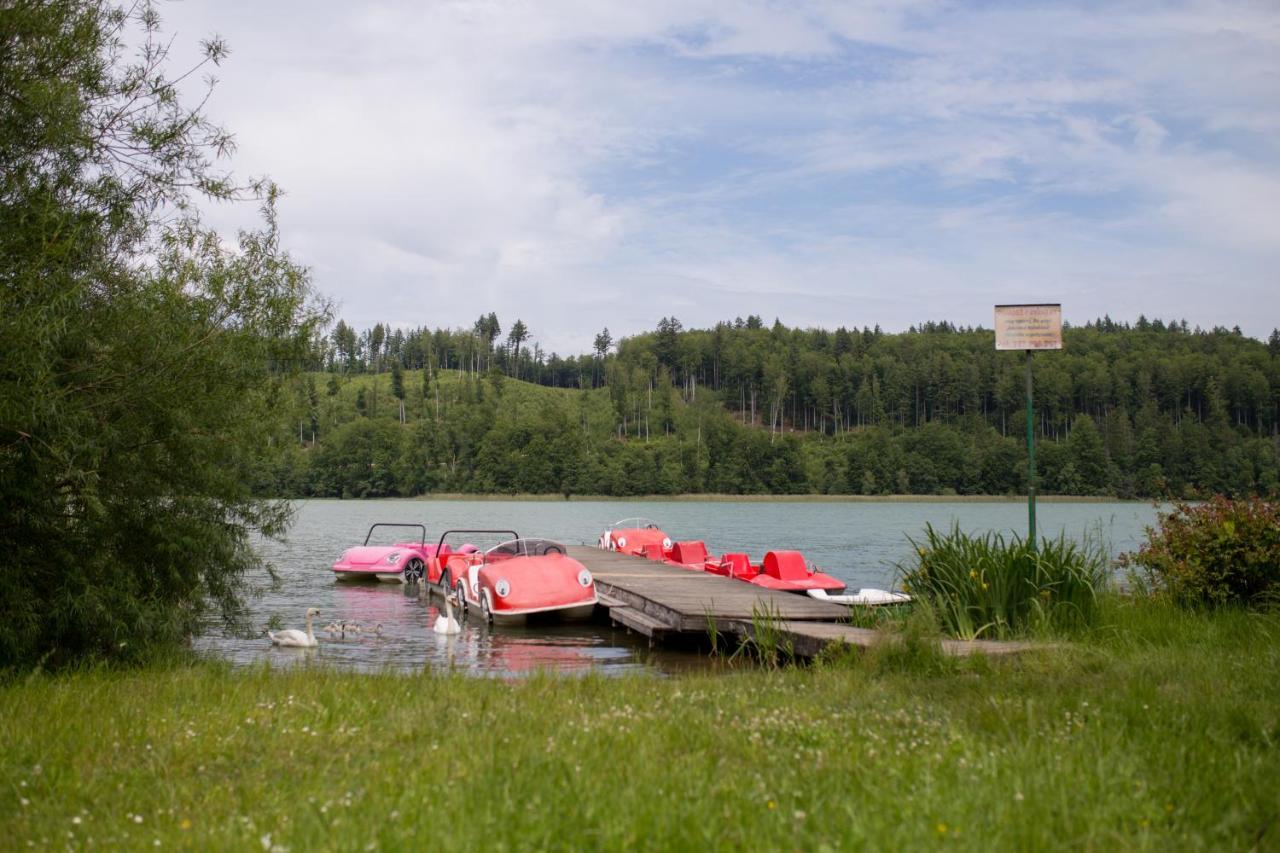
<point>389,626</point>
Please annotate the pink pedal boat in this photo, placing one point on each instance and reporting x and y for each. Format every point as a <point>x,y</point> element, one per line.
<point>402,562</point>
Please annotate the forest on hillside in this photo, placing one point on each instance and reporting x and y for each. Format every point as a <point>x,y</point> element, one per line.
<point>1146,409</point>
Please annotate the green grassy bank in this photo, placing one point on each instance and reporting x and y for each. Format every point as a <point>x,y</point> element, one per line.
<point>1158,730</point>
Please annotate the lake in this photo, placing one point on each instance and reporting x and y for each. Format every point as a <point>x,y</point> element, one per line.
<point>857,541</point>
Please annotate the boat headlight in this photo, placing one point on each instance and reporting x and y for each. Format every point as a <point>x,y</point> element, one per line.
<point>393,556</point>
<point>622,541</point>
<point>666,543</point>
<point>502,588</point>
<point>584,577</point>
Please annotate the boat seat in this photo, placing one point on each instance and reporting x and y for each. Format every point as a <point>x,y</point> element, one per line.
<point>738,566</point>
<point>690,553</point>
<point>652,551</point>
<point>785,565</point>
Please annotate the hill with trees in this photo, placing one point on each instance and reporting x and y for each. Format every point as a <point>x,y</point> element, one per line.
<point>1145,409</point>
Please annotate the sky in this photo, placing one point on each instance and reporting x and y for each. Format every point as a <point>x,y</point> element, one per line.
<point>588,164</point>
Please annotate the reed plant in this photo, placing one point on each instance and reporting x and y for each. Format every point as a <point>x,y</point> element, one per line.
<point>766,642</point>
<point>987,586</point>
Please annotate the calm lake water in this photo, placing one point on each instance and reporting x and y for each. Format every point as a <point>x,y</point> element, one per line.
<point>858,542</point>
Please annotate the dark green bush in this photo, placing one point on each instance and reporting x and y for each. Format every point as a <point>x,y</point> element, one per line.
<point>1219,552</point>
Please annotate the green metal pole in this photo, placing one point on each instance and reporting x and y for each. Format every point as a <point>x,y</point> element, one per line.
<point>1031,461</point>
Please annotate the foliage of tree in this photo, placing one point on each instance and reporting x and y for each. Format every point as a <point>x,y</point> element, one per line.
<point>141,360</point>
<point>1144,409</point>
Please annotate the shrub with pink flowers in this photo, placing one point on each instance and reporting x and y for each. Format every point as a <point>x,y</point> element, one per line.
<point>1219,552</point>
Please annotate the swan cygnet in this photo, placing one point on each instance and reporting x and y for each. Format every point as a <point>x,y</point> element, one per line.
<point>445,623</point>
<point>294,637</point>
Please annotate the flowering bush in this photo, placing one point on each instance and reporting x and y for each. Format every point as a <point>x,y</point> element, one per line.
<point>1219,552</point>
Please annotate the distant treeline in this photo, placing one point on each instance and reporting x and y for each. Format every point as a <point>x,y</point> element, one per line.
<point>1143,409</point>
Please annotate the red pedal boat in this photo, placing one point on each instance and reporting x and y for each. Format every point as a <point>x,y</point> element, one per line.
<point>640,537</point>
<point>786,571</point>
<point>516,580</point>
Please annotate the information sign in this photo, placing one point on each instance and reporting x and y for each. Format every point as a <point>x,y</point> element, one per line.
<point>1029,327</point>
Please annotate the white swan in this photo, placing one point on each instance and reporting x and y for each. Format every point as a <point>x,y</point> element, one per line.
<point>294,637</point>
<point>446,624</point>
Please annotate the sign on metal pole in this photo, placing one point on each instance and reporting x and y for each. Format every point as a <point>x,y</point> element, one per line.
<point>1029,327</point>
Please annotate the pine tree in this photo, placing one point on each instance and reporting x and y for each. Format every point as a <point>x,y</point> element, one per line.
<point>519,334</point>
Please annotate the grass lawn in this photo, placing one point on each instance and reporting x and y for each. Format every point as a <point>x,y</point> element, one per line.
<point>1159,730</point>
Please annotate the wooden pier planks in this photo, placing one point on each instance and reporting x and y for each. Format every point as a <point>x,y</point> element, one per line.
<point>658,601</point>
<point>686,600</point>
<point>808,639</point>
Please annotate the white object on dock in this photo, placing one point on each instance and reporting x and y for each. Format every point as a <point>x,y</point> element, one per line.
<point>862,596</point>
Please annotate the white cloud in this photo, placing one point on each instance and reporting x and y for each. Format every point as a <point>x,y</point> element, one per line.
<point>579,164</point>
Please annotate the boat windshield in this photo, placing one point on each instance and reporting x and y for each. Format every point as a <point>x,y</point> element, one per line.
<point>523,548</point>
<point>636,523</point>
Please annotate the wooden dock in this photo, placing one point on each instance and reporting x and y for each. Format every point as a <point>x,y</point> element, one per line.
<point>664,602</point>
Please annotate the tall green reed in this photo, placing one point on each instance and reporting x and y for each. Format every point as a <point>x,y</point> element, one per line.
<point>990,586</point>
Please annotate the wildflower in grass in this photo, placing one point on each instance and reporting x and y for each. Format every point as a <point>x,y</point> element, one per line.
<point>772,805</point>
<point>942,829</point>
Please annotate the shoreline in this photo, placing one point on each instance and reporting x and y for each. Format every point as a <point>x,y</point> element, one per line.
<point>721,498</point>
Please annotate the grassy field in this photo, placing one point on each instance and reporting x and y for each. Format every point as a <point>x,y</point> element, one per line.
<point>1159,730</point>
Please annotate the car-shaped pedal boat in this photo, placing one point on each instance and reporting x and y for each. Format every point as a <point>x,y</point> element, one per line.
<point>787,571</point>
<point>639,537</point>
<point>402,562</point>
<point>521,578</point>
<point>642,537</point>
